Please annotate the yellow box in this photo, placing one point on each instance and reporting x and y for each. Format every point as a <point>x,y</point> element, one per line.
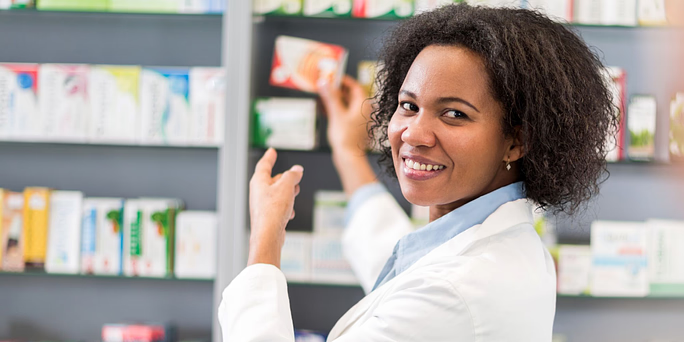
<point>36,213</point>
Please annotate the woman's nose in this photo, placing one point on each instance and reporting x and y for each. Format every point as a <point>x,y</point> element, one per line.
<point>419,131</point>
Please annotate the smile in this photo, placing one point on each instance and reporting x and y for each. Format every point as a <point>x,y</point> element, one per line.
<point>419,172</point>
<point>421,167</point>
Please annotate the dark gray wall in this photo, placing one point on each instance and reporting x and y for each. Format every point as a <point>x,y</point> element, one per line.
<point>653,61</point>
<point>75,308</point>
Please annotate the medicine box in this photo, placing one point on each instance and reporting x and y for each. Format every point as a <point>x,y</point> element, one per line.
<point>74,5</point>
<point>329,212</point>
<point>149,226</point>
<point>102,236</point>
<point>114,106</point>
<point>19,112</point>
<point>327,8</point>
<point>63,100</point>
<point>666,257</point>
<point>385,9</point>
<point>36,218</point>
<point>295,257</point>
<point>165,106</point>
<point>303,64</point>
<point>11,231</point>
<point>619,259</point>
<point>208,102</point>
<point>152,6</point>
<point>277,7</point>
<point>641,123</point>
<point>676,143</point>
<point>574,269</point>
<point>64,233</point>
<point>287,123</point>
<point>328,264</point>
<point>196,244</point>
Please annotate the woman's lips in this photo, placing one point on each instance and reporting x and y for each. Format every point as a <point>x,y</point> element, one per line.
<point>417,171</point>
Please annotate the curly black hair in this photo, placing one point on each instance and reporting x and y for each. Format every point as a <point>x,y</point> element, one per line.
<point>548,81</point>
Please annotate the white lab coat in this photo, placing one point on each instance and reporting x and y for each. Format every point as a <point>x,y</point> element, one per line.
<point>494,282</point>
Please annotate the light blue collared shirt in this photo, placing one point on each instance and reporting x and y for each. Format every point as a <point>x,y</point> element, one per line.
<point>417,244</point>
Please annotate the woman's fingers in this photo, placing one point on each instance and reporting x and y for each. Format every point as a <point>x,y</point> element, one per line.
<point>293,176</point>
<point>297,190</point>
<point>265,165</point>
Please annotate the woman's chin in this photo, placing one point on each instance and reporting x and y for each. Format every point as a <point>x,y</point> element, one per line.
<point>417,197</point>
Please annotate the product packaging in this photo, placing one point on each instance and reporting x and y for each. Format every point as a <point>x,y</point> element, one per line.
<point>328,264</point>
<point>74,5</point>
<point>496,3</point>
<point>619,259</point>
<point>149,227</point>
<point>277,7</point>
<point>302,63</point>
<point>384,9</point>
<point>558,10</point>
<point>616,78</point>
<point>11,233</point>
<point>202,6</point>
<point>295,257</point>
<point>287,123</point>
<point>64,236</point>
<point>16,4</point>
<point>367,72</point>
<point>329,212</point>
<point>114,105</point>
<point>588,12</point>
<point>165,106</point>
<point>208,103</point>
<point>619,12</point>
<point>652,13</point>
<point>196,244</point>
<point>138,333</point>
<point>574,269</point>
<point>151,6</point>
<point>327,8</point>
<point>676,147</point>
<point>63,100</point>
<point>666,257</point>
<point>641,122</point>
<point>102,236</point>
<point>429,5</point>
<point>19,113</point>
<point>36,218</point>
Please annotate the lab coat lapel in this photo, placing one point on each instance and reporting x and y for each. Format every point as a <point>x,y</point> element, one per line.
<point>508,215</point>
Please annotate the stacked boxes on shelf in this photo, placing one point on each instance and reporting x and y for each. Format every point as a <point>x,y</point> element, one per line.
<point>625,259</point>
<point>63,232</point>
<point>317,257</point>
<point>112,104</point>
<point>583,12</point>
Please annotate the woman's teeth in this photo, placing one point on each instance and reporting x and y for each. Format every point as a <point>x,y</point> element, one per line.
<point>421,167</point>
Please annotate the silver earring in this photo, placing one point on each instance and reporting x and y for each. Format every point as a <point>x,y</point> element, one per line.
<point>508,164</point>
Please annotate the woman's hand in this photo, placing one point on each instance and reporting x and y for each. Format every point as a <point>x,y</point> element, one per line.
<point>348,112</point>
<point>271,202</point>
<point>348,116</point>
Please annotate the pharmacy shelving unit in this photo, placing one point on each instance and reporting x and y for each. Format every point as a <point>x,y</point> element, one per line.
<point>635,191</point>
<point>49,307</point>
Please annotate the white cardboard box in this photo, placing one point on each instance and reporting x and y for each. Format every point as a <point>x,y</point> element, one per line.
<point>64,232</point>
<point>64,109</point>
<point>328,264</point>
<point>19,111</point>
<point>196,245</point>
<point>208,103</point>
<point>102,236</point>
<point>329,212</point>
<point>619,259</point>
<point>295,257</point>
<point>574,269</point>
<point>164,106</point>
<point>114,105</point>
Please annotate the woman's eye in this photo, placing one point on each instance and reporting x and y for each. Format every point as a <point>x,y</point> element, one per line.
<point>409,106</point>
<point>455,114</point>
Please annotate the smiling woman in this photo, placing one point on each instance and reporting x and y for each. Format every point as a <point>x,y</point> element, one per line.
<point>482,114</point>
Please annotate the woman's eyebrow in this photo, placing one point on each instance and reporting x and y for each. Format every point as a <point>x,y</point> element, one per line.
<point>448,99</point>
<point>441,100</point>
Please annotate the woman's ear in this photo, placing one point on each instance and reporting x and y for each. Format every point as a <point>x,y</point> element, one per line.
<point>516,149</point>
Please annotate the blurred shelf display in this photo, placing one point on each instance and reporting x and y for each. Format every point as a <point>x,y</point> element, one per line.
<point>93,276</point>
<point>119,6</point>
<point>62,143</point>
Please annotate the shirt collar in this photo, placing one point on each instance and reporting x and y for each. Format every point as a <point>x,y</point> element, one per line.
<point>417,244</point>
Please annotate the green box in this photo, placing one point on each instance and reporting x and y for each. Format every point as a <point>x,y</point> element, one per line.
<point>74,5</point>
<point>327,8</point>
<point>144,6</point>
<point>278,7</point>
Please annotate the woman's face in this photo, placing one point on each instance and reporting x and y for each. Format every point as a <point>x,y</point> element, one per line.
<point>449,123</point>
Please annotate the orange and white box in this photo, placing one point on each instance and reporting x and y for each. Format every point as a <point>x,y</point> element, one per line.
<point>301,63</point>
